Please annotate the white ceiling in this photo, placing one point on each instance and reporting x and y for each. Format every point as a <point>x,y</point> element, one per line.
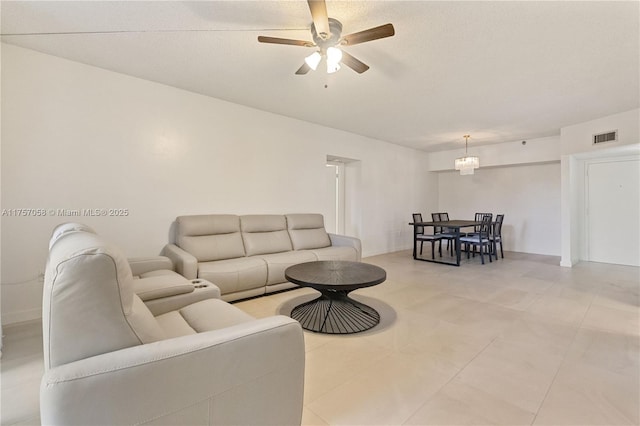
<point>499,70</point>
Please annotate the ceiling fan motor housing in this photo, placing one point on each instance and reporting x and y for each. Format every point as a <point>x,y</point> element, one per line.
<point>327,40</point>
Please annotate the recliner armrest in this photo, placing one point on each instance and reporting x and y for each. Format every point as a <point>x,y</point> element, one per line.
<point>202,290</point>
<point>141,265</point>
<point>346,241</point>
<point>185,263</point>
<point>250,373</point>
<point>162,286</point>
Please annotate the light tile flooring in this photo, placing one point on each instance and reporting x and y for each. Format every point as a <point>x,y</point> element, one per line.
<point>518,341</point>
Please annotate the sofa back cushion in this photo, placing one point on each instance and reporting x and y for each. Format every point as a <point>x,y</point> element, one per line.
<point>89,307</point>
<point>265,234</point>
<point>307,231</point>
<point>210,237</point>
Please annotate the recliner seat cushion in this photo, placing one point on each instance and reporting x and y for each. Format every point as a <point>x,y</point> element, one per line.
<point>277,263</point>
<point>336,253</point>
<point>233,275</point>
<point>207,315</point>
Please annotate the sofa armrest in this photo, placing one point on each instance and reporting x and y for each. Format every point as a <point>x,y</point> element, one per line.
<point>185,263</point>
<point>141,265</point>
<point>345,241</point>
<point>202,290</point>
<point>250,373</point>
<point>162,286</point>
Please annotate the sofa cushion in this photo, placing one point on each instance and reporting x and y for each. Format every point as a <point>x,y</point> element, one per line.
<point>233,275</point>
<point>174,325</point>
<point>307,231</point>
<point>277,263</point>
<point>210,237</point>
<point>264,234</point>
<point>206,315</point>
<point>336,253</point>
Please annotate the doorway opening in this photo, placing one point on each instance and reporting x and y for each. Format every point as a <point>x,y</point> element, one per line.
<point>336,193</point>
<point>334,216</point>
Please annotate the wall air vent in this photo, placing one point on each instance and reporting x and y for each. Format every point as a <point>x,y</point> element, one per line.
<point>605,137</point>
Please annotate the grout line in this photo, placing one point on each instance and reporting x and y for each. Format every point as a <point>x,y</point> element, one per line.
<point>450,380</point>
<point>561,364</point>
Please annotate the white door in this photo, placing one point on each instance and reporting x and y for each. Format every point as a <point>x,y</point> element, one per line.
<point>613,211</point>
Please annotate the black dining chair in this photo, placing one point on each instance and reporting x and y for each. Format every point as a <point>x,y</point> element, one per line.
<point>496,235</point>
<point>442,231</point>
<point>481,240</point>
<point>422,237</point>
<point>478,218</point>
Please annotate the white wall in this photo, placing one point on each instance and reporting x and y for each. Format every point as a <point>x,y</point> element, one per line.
<point>577,148</point>
<point>528,196</point>
<point>537,150</point>
<point>522,181</point>
<point>79,137</point>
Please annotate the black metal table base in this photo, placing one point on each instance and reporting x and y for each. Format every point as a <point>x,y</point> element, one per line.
<point>335,313</point>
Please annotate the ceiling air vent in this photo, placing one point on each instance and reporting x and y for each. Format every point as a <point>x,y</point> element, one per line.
<point>605,137</point>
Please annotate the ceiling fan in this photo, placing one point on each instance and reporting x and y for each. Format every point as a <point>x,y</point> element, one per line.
<point>327,37</point>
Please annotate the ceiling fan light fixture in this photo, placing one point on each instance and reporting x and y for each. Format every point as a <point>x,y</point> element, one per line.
<point>313,60</point>
<point>334,56</point>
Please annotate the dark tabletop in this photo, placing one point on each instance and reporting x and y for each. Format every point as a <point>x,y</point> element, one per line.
<point>449,223</point>
<point>335,274</point>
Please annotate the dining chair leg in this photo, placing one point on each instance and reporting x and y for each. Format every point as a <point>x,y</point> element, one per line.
<point>421,244</point>
<point>501,252</point>
<point>481,254</point>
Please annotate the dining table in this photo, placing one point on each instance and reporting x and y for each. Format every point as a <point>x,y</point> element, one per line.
<point>453,227</point>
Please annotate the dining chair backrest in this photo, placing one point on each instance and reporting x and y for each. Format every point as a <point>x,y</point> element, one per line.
<point>485,227</point>
<point>478,218</point>
<point>436,218</point>
<point>497,229</point>
<point>417,217</point>
<point>444,217</point>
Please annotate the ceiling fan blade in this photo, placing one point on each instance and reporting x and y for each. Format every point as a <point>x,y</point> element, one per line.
<point>320,18</point>
<point>276,40</point>
<point>367,35</point>
<point>303,69</point>
<point>353,63</point>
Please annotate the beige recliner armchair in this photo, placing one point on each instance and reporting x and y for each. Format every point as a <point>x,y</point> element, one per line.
<point>108,360</point>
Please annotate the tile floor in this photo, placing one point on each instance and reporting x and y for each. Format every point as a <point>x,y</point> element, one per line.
<point>518,341</point>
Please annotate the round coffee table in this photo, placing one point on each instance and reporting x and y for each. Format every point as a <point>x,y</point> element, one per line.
<point>334,312</point>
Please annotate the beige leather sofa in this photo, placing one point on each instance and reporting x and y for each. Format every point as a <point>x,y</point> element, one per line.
<point>164,290</point>
<point>109,360</point>
<point>246,256</point>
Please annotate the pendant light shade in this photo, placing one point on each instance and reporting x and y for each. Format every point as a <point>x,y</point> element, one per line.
<point>466,164</point>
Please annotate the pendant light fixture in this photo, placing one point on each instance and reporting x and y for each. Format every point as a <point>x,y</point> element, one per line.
<point>467,164</point>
